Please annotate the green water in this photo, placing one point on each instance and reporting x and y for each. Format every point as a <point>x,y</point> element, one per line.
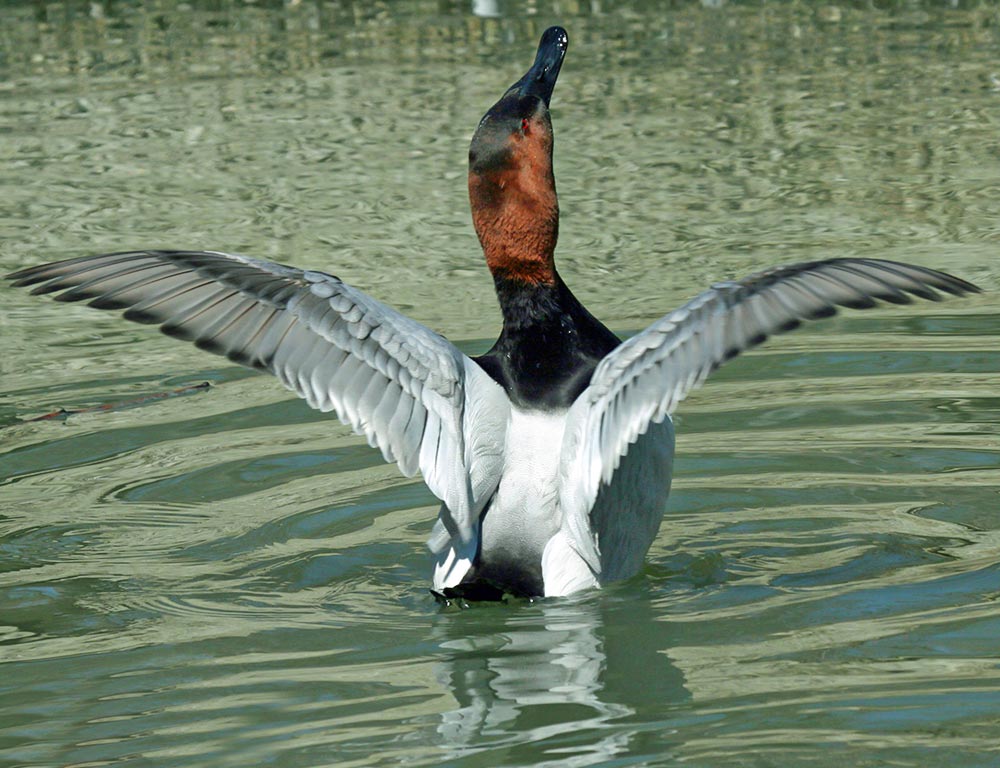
<point>229,579</point>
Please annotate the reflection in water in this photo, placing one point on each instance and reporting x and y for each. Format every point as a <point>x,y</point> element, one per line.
<point>553,669</point>
<point>497,679</point>
<point>487,9</point>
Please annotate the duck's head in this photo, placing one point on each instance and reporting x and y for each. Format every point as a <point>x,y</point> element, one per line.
<point>511,186</point>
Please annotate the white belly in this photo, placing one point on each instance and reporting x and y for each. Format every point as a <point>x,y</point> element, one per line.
<point>524,512</point>
<point>524,546</point>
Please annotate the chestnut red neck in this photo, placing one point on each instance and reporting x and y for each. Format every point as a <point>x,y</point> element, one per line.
<point>516,216</point>
<point>512,189</point>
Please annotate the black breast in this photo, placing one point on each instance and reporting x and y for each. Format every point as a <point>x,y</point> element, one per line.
<point>549,346</point>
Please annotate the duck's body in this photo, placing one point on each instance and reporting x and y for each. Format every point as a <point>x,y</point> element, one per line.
<point>551,453</point>
<point>527,546</point>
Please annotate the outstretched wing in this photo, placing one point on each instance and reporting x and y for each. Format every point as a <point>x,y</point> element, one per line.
<point>644,379</point>
<point>411,392</point>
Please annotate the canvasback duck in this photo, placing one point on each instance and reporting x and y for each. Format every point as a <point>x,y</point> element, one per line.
<point>551,453</point>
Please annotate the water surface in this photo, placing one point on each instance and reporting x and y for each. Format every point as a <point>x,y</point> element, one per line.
<point>228,578</point>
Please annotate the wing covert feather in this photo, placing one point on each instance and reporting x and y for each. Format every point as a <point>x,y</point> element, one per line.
<point>641,382</point>
<point>404,387</point>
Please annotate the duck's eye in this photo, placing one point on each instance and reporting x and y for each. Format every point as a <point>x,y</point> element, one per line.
<point>524,125</point>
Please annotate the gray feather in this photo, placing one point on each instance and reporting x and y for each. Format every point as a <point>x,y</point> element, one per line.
<point>390,378</point>
<point>644,379</point>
